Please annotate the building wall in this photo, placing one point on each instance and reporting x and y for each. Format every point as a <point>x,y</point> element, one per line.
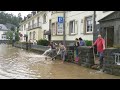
<point>2,32</point>
<point>54,19</point>
<point>79,17</point>
<point>44,26</point>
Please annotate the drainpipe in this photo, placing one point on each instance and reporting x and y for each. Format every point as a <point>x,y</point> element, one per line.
<point>64,36</point>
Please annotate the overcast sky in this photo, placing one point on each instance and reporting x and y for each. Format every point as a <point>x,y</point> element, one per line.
<point>23,13</point>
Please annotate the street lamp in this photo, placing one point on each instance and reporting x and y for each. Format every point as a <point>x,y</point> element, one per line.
<point>94,24</point>
<point>64,39</point>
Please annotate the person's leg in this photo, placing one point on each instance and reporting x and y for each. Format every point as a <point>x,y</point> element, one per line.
<point>61,52</point>
<point>64,53</point>
<point>76,52</point>
<point>101,59</point>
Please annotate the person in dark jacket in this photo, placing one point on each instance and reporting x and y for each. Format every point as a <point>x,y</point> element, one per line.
<point>82,42</point>
<point>76,48</point>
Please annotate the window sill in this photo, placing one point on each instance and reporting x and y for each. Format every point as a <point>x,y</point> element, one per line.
<point>88,33</point>
<point>72,34</point>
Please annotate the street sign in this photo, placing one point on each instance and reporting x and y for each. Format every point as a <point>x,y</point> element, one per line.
<point>60,29</point>
<point>60,20</point>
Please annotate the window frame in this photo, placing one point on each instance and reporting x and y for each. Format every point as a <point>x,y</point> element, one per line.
<point>86,24</point>
<point>73,27</point>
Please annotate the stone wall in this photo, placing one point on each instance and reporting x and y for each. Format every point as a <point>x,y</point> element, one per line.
<point>86,56</point>
<point>110,66</point>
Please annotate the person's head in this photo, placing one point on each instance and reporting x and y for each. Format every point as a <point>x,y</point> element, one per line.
<point>80,39</point>
<point>99,36</point>
<point>61,43</point>
<point>51,42</point>
<point>76,39</point>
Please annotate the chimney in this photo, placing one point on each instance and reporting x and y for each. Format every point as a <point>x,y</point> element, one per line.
<point>33,13</point>
<point>29,15</point>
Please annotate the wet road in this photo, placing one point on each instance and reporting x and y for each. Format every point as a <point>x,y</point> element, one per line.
<point>16,63</point>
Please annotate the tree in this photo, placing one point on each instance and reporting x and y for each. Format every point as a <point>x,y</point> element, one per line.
<point>10,18</point>
<point>12,28</point>
<point>9,35</point>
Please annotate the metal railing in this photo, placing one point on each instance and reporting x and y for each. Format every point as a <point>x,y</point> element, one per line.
<point>117,58</point>
<point>36,25</point>
<point>39,47</point>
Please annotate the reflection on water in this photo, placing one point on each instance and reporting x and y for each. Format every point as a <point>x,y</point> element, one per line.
<point>20,64</point>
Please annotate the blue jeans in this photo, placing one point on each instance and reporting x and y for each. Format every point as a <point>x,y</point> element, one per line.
<point>63,53</point>
<point>76,52</point>
<point>101,56</point>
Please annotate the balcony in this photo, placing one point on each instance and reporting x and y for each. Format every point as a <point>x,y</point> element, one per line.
<point>36,25</point>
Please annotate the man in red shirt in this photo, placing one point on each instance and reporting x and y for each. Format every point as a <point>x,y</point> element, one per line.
<point>100,43</point>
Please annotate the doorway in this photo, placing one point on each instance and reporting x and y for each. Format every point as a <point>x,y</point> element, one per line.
<point>110,36</point>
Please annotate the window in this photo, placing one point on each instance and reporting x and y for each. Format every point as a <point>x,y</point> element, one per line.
<point>89,24</point>
<point>33,35</point>
<point>53,29</point>
<point>24,26</point>
<point>37,21</point>
<point>72,27</point>
<point>44,18</point>
<point>32,23</point>
<point>30,35</point>
<point>117,58</point>
<point>44,36</point>
<point>28,25</point>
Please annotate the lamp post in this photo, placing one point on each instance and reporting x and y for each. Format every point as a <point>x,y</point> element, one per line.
<point>94,24</point>
<point>64,39</point>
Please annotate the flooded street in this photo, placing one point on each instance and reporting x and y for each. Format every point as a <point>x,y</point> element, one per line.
<point>17,63</point>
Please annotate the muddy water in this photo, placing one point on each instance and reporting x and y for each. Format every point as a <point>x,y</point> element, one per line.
<point>19,64</point>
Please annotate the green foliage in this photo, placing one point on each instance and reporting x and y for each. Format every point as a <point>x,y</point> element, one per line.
<point>9,35</point>
<point>88,43</point>
<point>9,18</point>
<point>17,38</point>
<point>43,42</point>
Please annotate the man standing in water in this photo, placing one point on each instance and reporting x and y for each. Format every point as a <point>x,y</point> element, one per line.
<point>100,42</point>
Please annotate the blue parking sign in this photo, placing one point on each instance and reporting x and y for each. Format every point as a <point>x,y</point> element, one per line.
<point>60,20</point>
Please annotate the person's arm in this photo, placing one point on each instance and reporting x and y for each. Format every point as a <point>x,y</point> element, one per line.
<point>94,43</point>
<point>103,42</point>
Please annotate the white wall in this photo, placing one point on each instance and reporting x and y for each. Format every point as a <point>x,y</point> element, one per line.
<point>2,32</point>
<point>79,17</point>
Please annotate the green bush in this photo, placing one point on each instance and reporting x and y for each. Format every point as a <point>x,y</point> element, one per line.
<point>88,43</point>
<point>43,42</point>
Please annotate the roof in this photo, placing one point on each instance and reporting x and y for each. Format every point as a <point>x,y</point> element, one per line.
<point>112,16</point>
<point>3,27</point>
<point>8,25</point>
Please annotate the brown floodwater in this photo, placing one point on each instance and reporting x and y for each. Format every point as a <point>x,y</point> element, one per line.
<point>16,63</point>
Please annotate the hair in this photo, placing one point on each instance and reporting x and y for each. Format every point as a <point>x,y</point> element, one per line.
<point>80,38</point>
<point>76,39</point>
<point>99,35</point>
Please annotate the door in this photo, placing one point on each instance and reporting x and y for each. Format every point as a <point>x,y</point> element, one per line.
<point>110,36</point>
